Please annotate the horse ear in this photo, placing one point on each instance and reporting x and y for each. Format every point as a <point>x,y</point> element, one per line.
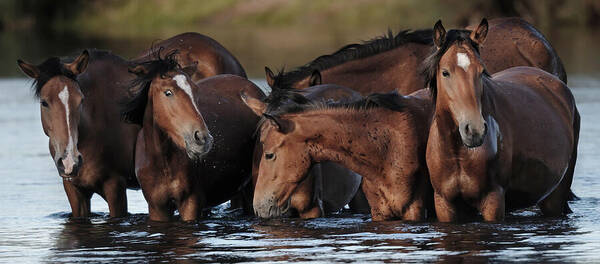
<point>29,69</point>
<point>315,78</point>
<point>258,107</point>
<point>269,76</point>
<point>478,35</point>
<point>138,70</point>
<point>190,69</point>
<point>439,34</point>
<point>79,65</point>
<point>283,125</point>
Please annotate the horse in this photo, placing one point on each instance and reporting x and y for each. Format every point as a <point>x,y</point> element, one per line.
<point>328,187</point>
<point>91,148</point>
<point>207,56</point>
<point>392,62</point>
<point>497,142</point>
<point>196,143</point>
<point>383,138</point>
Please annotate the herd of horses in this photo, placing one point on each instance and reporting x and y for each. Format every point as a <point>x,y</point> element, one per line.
<point>425,124</point>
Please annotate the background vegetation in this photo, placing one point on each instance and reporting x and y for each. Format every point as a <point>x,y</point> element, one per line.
<point>264,32</point>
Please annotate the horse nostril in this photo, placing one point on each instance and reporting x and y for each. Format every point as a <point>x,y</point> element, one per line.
<point>79,160</point>
<point>59,165</point>
<point>199,138</point>
<point>468,129</point>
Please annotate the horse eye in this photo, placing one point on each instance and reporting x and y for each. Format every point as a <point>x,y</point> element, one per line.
<point>168,92</point>
<point>44,103</point>
<point>445,73</point>
<point>269,156</point>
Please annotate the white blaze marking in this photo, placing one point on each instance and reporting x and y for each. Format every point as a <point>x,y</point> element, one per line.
<point>68,162</point>
<point>463,60</point>
<point>185,86</point>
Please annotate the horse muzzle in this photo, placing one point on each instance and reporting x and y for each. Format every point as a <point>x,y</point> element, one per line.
<point>198,145</point>
<point>472,136</point>
<point>268,208</point>
<point>68,167</point>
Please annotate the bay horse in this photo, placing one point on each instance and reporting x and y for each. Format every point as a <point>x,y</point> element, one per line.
<point>383,138</point>
<point>79,104</point>
<point>328,187</point>
<point>496,142</point>
<point>207,56</point>
<point>196,143</point>
<point>392,62</point>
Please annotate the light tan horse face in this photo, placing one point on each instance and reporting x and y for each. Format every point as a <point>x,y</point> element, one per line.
<point>283,166</point>
<point>175,111</point>
<point>459,82</point>
<point>60,101</point>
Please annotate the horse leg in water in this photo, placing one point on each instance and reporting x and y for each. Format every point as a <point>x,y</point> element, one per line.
<point>359,203</point>
<point>78,199</point>
<point>190,207</point>
<point>114,192</point>
<point>492,205</point>
<point>244,199</point>
<point>557,202</point>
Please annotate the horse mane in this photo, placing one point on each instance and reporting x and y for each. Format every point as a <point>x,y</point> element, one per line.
<point>353,52</point>
<point>430,64</point>
<point>48,69</point>
<point>134,107</point>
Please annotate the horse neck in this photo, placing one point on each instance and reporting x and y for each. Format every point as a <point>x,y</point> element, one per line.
<point>341,136</point>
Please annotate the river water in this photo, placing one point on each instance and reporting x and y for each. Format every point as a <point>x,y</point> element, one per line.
<point>35,224</point>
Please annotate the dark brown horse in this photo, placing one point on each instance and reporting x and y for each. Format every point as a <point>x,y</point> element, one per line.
<point>328,187</point>
<point>175,164</point>
<point>384,143</point>
<point>392,62</point>
<point>92,149</point>
<point>496,142</point>
<point>201,52</point>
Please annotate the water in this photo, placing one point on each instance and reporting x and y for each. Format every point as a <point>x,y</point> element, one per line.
<point>34,223</point>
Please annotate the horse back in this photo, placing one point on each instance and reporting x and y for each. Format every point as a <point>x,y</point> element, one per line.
<point>513,42</point>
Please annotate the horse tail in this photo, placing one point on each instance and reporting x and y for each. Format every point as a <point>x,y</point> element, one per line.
<point>576,125</point>
<point>560,71</point>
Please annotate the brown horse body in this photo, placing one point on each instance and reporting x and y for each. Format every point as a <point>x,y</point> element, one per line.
<point>172,179</point>
<point>501,142</point>
<point>386,147</point>
<point>91,103</point>
<point>207,56</point>
<point>392,63</point>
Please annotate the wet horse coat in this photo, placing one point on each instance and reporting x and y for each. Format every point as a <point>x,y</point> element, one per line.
<point>393,62</point>
<point>204,54</point>
<point>382,138</point>
<point>170,178</point>
<point>328,186</point>
<point>488,146</point>
<point>90,102</point>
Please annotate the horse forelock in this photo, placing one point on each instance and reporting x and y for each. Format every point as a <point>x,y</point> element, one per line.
<point>135,105</point>
<point>431,63</point>
<point>49,69</point>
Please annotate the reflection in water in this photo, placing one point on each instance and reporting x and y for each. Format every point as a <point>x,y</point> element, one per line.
<point>32,231</point>
<point>230,237</point>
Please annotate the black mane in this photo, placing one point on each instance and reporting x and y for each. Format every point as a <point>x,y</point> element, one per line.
<point>50,68</point>
<point>352,52</point>
<point>430,64</point>
<point>391,101</point>
<point>135,106</point>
